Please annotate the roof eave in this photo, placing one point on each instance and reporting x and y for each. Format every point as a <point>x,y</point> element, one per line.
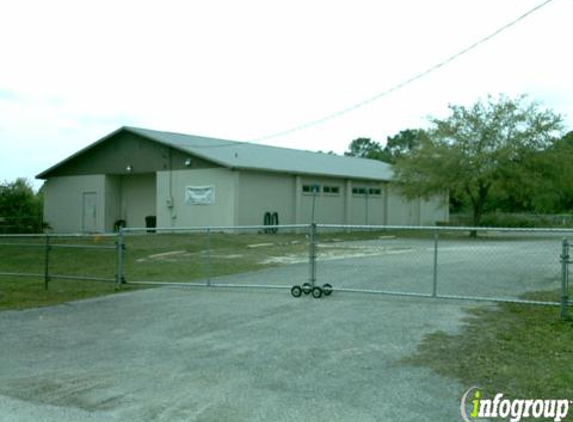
<point>305,173</point>
<point>44,175</point>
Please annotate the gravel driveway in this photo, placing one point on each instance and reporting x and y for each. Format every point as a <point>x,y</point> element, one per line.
<point>176,354</point>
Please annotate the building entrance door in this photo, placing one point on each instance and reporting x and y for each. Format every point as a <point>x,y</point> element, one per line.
<point>89,222</point>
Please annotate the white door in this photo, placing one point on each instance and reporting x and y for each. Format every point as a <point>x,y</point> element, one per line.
<point>89,223</point>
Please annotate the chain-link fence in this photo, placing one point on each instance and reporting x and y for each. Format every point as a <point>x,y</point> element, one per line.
<point>21,224</point>
<point>59,257</point>
<point>451,263</point>
<point>480,264</point>
<point>208,256</point>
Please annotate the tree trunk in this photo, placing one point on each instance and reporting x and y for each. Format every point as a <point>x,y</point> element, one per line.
<point>477,213</point>
<point>478,208</point>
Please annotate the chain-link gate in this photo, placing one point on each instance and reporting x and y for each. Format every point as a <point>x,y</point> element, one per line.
<point>496,265</point>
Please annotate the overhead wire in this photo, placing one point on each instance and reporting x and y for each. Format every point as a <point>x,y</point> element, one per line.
<point>405,82</point>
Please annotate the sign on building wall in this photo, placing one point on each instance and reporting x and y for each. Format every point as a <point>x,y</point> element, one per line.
<point>199,195</point>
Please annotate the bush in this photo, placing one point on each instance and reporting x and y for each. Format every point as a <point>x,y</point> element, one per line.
<point>509,220</point>
<point>21,208</point>
<point>517,220</point>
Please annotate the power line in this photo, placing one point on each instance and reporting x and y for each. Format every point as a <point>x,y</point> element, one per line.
<point>406,82</point>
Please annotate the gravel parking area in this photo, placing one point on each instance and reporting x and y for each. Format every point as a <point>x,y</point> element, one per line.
<point>178,354</point>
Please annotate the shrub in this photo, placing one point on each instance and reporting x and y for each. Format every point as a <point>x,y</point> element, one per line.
<point>517,220</point>
<point>20,208</point>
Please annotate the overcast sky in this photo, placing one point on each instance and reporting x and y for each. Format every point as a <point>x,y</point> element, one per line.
<point>73,71</point>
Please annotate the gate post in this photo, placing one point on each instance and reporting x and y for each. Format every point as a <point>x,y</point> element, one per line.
<point>208,249</point>
<point>435,275</point>
<point>119,278</point>
<point>312,254</point>
<point>47,263</point>
<point>565,279</point>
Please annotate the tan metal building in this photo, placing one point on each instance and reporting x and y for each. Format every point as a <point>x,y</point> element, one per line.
<point>184,181</point>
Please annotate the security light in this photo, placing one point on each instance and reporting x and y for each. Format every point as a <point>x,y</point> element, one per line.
<point>129,168</point>
<point>188,162</point>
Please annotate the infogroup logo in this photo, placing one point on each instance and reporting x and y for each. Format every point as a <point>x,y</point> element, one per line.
<point>474,407</point>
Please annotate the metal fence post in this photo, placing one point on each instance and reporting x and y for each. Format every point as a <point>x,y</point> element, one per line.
<point>366,206</point>
<point>119,278</point>
<point>435,279</point>
<point>565,280</point>
<point>312,254</point>
<point>208,241</point>
<point>47,263</point>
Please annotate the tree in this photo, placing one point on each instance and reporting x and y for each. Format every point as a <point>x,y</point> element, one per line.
<point>558,163</point>
<point>482,153</point>
<point>396,146</point>
<point>365,148</point>
<point>20,207</point>
<point>402,143</point>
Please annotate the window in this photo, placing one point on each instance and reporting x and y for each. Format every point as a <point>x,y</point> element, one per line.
<point>367,191</point>
<point>310,189</point>
<point>331,190</point>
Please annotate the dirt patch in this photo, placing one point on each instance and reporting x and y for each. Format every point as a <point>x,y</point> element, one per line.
<point>177,256</point>
<point>329,251</point>
<point>167,254</point>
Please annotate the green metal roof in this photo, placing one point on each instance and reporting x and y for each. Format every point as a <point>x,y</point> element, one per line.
<point>245,155</point>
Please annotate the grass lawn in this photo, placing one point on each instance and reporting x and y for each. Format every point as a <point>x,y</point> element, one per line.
<point>148,257</point>
<point>30,293</point>
<point>521,351</point>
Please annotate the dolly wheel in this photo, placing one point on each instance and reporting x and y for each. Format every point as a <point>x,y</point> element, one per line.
<point>296,291</point>
<point>327,289</point>
<point>306,288</point>
<point>317,293</point>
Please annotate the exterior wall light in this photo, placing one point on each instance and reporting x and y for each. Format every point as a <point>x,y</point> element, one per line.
<point>129,168</point>
<point>188,162</point>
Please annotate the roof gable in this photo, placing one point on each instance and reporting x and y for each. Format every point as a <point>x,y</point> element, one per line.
<point>244,155</point>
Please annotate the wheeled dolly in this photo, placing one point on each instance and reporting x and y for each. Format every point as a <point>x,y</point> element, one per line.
<point>307,288</point>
